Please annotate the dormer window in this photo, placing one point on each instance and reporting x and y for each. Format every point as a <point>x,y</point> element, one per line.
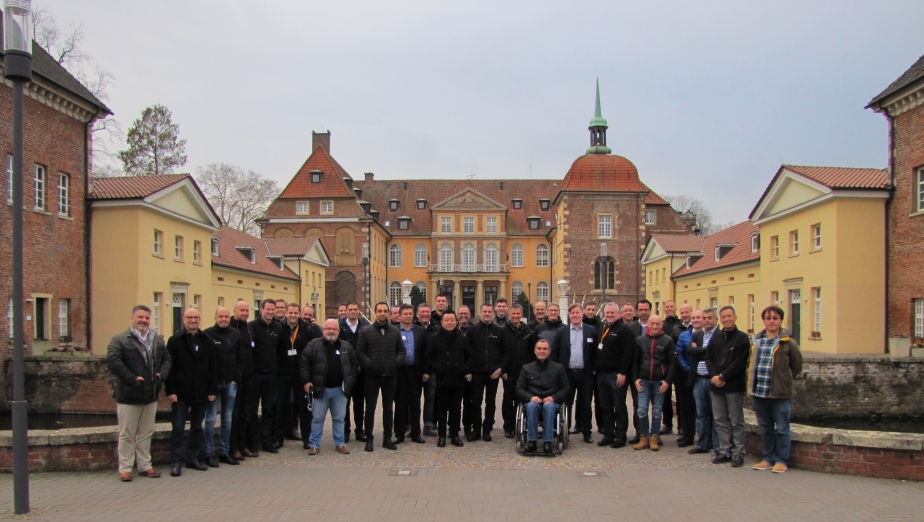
<point>755,242</point>
<point>253,256</point>
<point>404,223</point>
<point>216,247</point>
<point>393,205</point>
<point>533,222</point>
<point>692,259</point>
<point>280,262</point>
<point>543,204</point>
<point>517,203</point>
<point>316,176</point>
<point>421,204</point>
<point>721,250</point>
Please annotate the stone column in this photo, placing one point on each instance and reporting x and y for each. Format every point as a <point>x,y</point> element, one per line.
<point>502,291</point>
<point>456,295</point>
<point>479,295</point>
<point>436,291</point>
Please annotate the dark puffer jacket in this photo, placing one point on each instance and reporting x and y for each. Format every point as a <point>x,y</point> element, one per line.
<point>521,345</point>
<point>447,358</point>
<point>313,366</point>
<point>229,347</point>
<point>488,348</point>
<point>267,339</point>
<point>126,361</point>
<point>380,350</point>
<point>655,359</point>
<point>543,379</point>
<point>247,338</point>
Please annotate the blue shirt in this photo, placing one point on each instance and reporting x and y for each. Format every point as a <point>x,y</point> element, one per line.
<point>408,337</point>
<point>577,348</point>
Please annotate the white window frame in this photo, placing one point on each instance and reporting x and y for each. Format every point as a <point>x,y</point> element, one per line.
<point>516,256</point>
<point>794,243</point>
<point>420,256</point>
<point>422,288</point>
<point>816,236</point>
<point>216,247</point>
<point>394,256</point>
<point>605,226</point>
<point>327,208</point>
<point>918,318</point>
<point>155,310</point>
<point>817,296</point>
<point>542,291</point>
<point>40,181</point>
<point>919,189</point>
<point>775,247</point>
<point>64,198</point>
<point>445,258</point>
<point>177,248</point>
<point>751,312</point>
<point>468,224</point>
<point>445,224</point>
<point>542,255</point>
<point>515,290</point>
<point>9,318</point>
<point>9,178</point>
<point>490,258</point>
<point>650,217</point>
<point>395,295</point>
<point>302,208</point>
<point>158,242</point>
<point>197,252</point>
<point>469,258</point>
<point>755,243</point>
<point>491,225</point>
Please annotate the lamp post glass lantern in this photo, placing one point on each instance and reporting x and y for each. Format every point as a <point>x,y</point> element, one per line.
<point>406,291</point>
<point>17,66</point>
<point>563,295</point>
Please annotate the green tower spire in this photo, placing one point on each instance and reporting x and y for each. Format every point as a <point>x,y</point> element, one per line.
<point>597,129</point>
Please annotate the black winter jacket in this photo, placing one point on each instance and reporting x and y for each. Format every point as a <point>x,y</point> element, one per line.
<point>447,358</point>
<point>195,367</point>
<point>247,337</point>
<point>313,366</point>
<point>289,364</point>
<point>267,339</point>
<point>521,346</point>
<point>229,348</point>
<point>670,325</point>
<point>348,335</point>
<point>488,348</point>
<point>380,350</point>
<point>543,379</point>
<point>727,355</point>
<point>616,352</point>
<point>126,361</point>
<point>655,359</point>
<point>549,330</point>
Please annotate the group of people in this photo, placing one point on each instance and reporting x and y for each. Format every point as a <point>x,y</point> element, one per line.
<point>278,377</point>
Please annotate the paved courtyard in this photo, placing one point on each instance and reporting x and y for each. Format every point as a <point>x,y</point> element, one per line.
<point>482,481</point>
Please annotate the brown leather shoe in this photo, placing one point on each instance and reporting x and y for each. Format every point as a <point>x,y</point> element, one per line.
<point>250,454</point>
<point>125,477</point>
<point>150,473</point>
<point>343,450</point>
<point>313,451</point>
<point>237,455</point>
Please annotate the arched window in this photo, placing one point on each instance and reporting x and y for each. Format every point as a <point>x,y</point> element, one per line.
<point>468,257</point>
<point>446,258</point>
<point>422,288</point>
<point>394,293</point>
<point>515,290</point>
<point>542,255</point>
<point>516,255</point>
<point>542,291</point>
<point>490,258</point>
<point>420,255</point>
<point>394,256</point>
<point>604,273</point>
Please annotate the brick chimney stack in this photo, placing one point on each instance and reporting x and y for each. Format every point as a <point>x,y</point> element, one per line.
<point>321,139</point>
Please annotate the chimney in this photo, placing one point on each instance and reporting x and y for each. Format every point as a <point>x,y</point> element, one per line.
<point>367,207</point>
<point>375,215</point>
<point>321,139</point>
<point>369,181</point>
<point>349,181</point>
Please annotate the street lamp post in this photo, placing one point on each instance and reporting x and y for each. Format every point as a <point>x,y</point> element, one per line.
<point>604,269</point>
<point>406,291</point>
<point>529,297</point>
<point>17,66</point>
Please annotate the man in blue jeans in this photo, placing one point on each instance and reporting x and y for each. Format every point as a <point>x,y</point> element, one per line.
<point>230,351</point>
<point>543,385</point>
<point>655,366</point>
<point>328,369</point>
<point>695,353</point>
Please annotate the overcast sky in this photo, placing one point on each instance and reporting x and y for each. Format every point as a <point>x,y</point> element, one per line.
<point>708,98</point>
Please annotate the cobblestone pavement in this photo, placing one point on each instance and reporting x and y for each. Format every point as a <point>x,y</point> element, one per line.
<point>482,481</point>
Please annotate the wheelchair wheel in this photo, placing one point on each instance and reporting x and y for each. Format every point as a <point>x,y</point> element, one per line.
<point>520,433</point>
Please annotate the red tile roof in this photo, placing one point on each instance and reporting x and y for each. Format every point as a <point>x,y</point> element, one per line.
<point>132,187</point>
<point>840,178</point>
<point>331,185</point>
<point>674,243</point>
<point>595,172</point>
<point>738,235</point>
<point>296,246</point>
<point>231,257</point>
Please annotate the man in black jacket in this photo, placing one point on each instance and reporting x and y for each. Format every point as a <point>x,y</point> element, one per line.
<point>548,330</point>
<point>296,334</point>
<point>447,362</point>
<point>245,431</point>
<point>575,349</point>
<point>670,320</point>
<point>615,354</point>
<point>380,351</point>
<point>139,361</point>
<point>350,326</point>
<point>540,311</point>
<point>191,386</point>
<point>544,386</point>
<point>328,369</point>
<point>489,358</point>
<point>727,363</point>
<point>409,383</point>
<point>521,342</point>
<point>267,339</point>
<point>229,348</point>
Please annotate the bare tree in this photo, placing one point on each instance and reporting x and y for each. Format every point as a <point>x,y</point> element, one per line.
<point>685,204</point>
<point>239,197</point>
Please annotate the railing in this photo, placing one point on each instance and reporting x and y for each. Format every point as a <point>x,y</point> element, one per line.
<point>469,269</point>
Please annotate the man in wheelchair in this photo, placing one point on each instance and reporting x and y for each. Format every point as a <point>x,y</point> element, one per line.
<point>542,386</point>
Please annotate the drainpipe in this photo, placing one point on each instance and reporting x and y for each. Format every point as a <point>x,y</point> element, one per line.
<point>887,205</point>
<point>87,216</point>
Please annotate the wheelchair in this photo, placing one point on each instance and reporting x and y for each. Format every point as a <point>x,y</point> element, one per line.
<point>560,439</point>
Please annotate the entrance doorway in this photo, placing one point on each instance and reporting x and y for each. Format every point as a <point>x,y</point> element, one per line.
<point>795,314</point>
<point>447,291</point>
<point>178,301</point>
<point>468,297</point>
<point>490,294</point>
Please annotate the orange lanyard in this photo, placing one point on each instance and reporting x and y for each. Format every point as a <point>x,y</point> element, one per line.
<point>294,335</point>
<point>605,332</point>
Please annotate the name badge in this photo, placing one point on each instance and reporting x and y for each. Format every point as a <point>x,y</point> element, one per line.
<point>337,352</point>
<point>253,344</point>
<point>590,339</point>
<point>292,352</point>
<point>196,348</point>
<point>404,338</point>
<point>600,346</point>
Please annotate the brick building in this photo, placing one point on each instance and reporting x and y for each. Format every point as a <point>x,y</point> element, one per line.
<point>902,103</point>
<point>476,240</point>
<point>59,114</point>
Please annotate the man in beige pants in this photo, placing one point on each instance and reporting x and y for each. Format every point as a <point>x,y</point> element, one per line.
<point>140,362</point>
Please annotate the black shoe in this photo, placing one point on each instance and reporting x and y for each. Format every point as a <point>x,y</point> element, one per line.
<point>197,466</point>
<point>737,462</point>
<point>369,443</point>
<point>293,435</point>
<point>388,444</point>
<point>547,448</point>
<point>695,451</point>
<point>441,442</point>
<point>279,443</point>
<point>228,459</point>
<point>176,470</point>
<point>531,446</point>
<point>486,437</point>
<point>211,462</point>
<point>721,459</point>
<point>681,436</point>
<point>418,439</point>
<point>605,442</point>
<point>457,442</point>
<point>618,443</point>
<point>508,434</point>
<point>270,448</point>
<point>473,436</point>
<point>361,437</point>
<point>346,436</point>
<point>468,433</point>
<point>634,440</point>
<point>576,430</point>
<point>685,443</point>
<point>600,431</point>
<point>666,430</point>
<point>399,439</point>
<point>588,439</point>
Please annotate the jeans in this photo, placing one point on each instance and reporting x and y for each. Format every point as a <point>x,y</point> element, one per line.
<point>407,400</point>
<point>613,406</point>
<point>264,395</point>
<point>290,397</point>
<point>728,411</point>
<point>195,412</point>
<point>227,392</point>
<point>336,401</point>
<point>582,384</point>
<point>533,411</point>
<point>483,390</point>
<point>776,439</point>
<point>705,424</point>
<point>374,383</point>
<point>649,394</point>
<point>448,404</point>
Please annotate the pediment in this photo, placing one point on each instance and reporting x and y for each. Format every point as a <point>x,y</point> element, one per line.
<point>469,199</point>
<point>653,252</point>
<point>789,192</point>
<point>184,200</point>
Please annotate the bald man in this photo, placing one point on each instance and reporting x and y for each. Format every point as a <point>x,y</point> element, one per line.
<point>230,352</point>
<point>191,386</point>
<point>655,365</point>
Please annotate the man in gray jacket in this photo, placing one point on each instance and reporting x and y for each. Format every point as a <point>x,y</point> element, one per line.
<point>139,360</point>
